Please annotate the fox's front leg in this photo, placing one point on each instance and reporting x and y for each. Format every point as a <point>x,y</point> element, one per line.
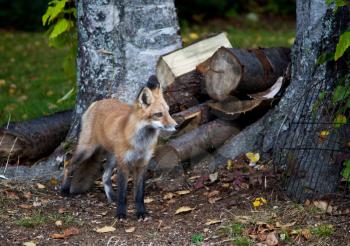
<point>139,189</point>
<point>122,185</point>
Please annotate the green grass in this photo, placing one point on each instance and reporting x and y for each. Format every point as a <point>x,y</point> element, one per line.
<point>322,231</point>
<point>197,238</point>
<point>32,78</point>
<point>40,218</point>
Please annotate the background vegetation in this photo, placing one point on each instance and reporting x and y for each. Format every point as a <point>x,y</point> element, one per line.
<point>35,78</point>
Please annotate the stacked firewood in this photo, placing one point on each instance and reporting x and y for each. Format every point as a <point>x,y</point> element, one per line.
<point>214,91</point>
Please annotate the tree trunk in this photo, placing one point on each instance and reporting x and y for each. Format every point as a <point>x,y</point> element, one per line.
<point>119,43</point>
<point>313,170</point>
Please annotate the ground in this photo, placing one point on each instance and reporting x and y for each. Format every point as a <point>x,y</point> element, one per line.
<point>238,205</point>
<point>33,82</point>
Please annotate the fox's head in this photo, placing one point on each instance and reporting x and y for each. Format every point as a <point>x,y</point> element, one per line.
<point>153,108</point>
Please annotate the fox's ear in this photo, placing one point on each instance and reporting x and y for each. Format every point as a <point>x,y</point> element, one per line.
<point>145,97</point>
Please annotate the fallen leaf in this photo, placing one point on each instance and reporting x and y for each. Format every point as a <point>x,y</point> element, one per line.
<point>184,209</point>
<point>61,210</point>
<point>28,195</point>
<point>243,219</point>
<point>168,195</point>
<point>213,177</point>
<point>59,223</point>
<point>200,182</point>
<point>271,239</point>
<point>148,200</point>
<point>40,186</point>
<point>130,229</point>
<point>213,193</point>
<point>11,195</point>
<point>229,164</point>
<point>306,233</point>
<point>323,205</point>
<point>225,185</point>
<point>212,222</point>
<point>53,181</point>
<point>29,243</point>
<point>183,192</point>
<point>105,229</point>
<point>66,233</point>
<point>26,206</point>
<point>213,200</point>
<point>253,157</point>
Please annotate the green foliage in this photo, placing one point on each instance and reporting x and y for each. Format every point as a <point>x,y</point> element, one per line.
<point>197,238</point>
<point>346,172</point>
<point>343,45</point>
<point>322,231</point>
<point>61,16</point>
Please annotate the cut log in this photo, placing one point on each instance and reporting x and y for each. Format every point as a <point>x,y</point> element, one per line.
<point>232,108</point>
<point>199,112</point>
<point>194,143</point>
<point>246,70</point>
<point>34,138</point>
<point>183,61</point>
<point>184,92</point>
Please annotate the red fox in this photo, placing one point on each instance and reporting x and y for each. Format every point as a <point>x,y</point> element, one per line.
<point>128,134</point>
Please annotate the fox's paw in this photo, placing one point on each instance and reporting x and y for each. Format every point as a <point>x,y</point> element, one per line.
<point>142,216</point>
<point>111,197</point>
<point>65,190</point>
<point>121,212</point>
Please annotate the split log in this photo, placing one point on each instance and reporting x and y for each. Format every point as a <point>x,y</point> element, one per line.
<point>177,73</point>
<point>194,143</point>
<point>185,60</point>
<point>247,70</point>
<point>34,138</point>
<point>199,112</point>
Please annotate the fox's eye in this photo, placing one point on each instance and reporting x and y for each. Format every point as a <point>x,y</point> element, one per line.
<point>157,115</point>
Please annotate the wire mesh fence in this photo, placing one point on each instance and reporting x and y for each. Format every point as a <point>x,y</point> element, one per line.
<point>313,149</point>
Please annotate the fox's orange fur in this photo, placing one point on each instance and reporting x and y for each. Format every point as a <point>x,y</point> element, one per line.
<point>128,134</point>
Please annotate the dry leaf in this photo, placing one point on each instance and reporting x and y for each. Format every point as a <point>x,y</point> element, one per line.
<point>28,195</point>
<point>59,223</point>
<point>213,177</point>
<point>323,205</point>
<point>130,229</point>
<point>29,244</point>
<point>271,239</point>
<point>11,195</point>
<point>168,195</point>
<point>184,209</point>
<point>40,186</point>
<point>212,222</point>
<point>253,157</point>
<point>26,206</point>
<point>67,233</point>
<point>243,219</point>
<point>105,229</point>
<point>213,200</point>
<point>213,193</point>
<point>53,181</point>
<point>61,210</point>
<point>148,200</point>
<point>229,164</point>
<point>183,192</point>
<point>306,233</point>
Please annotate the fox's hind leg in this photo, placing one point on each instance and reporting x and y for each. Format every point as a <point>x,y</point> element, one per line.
<point>106,178</point>
<point>81,155</point>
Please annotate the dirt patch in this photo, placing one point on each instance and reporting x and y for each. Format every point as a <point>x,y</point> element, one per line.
<point>227,208</point>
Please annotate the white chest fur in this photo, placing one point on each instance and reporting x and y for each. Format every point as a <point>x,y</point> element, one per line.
<point>142,144</point>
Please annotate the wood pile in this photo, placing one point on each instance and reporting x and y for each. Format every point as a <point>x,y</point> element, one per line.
<point>214,91</point>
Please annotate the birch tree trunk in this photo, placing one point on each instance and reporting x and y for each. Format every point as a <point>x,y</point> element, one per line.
<point>119,43</point>
<point>312,175</point>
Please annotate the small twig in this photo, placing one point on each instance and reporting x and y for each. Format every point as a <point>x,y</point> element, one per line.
<point>8,158</point>
<point>7,127</point>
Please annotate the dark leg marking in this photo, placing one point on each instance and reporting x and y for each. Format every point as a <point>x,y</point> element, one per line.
<point>122,192</point>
